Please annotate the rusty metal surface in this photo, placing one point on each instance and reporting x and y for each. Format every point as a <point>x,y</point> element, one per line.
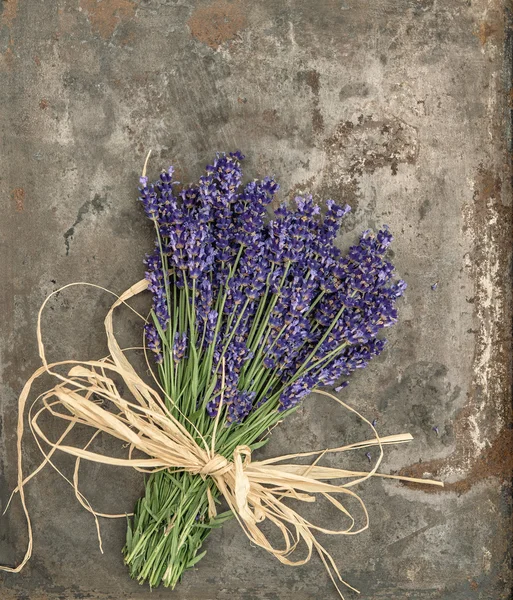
<point>399,107</point>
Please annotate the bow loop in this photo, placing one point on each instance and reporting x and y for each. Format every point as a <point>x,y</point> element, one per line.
<point>242,485</point>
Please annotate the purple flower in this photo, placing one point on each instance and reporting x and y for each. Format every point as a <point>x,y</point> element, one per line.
<point>340,387</point>
<point>157,285</point>
<point>240,406</point>
<point>179,346</point>
<point>273,298</point>
<point>153,341</point>
<point>296,392</point>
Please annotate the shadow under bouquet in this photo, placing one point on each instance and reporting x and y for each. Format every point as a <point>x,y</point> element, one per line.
<point>250,314</point>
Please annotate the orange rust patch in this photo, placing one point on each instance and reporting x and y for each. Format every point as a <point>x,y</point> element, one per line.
<point>488,186</point>
<point>9,12</point>
<point>43,104</point>
<point>9,56</point>
<point>486,30</point>
<point>217,22</point>
<point>18,195</point>
<point>106,15</point>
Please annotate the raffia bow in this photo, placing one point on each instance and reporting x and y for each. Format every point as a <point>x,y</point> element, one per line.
<point>254,490</point>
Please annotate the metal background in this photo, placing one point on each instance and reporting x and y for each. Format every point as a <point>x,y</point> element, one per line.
<point>399,107</point>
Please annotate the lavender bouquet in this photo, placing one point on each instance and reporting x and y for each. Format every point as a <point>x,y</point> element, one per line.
<point>275,300</point>
<point>250,314</point>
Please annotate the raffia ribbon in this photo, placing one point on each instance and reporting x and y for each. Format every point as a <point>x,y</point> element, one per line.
<point>254,490</point>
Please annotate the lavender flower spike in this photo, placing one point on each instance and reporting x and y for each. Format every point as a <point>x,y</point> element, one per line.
<point>179,346</point>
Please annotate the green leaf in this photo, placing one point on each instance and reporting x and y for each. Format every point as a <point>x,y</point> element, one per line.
<point>211,388</point>
<point>195,560</point>
<point>259,444</point>
<point>148,509</point>
<point>222,517</point>
<point>194,376</point>
<point>128,534</point>
<point>196,414</point>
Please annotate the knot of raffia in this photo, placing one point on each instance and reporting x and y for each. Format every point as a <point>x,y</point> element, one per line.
<point>231,480</point>
<point>216,466</point>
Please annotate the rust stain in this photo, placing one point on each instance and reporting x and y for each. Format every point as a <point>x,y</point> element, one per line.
<point>43,104</point>
<point>312,79</point>
<point>491,27</point>
<point>299,189</point>
<point>473,584</point>
<point>488,187</point>
<point>9,55</point>
<point>18,195</point>
<point>37,60</point>
<point>486,30</point>
<point>355,148</point>
<point>375,144</point>
<point>217,23</point>
<point>494,461</point>
<point>488,403</point>
<point>270,116</point>
<point>106,15</point>
<point>10,10</point>
<point>317,120</point>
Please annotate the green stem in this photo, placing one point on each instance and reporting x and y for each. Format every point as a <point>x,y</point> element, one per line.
<point>169,526</point>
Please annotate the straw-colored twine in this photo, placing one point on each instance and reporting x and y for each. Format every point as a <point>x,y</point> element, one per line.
<point>254,490</point>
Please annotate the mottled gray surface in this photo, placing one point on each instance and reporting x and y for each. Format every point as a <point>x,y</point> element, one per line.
<point>400,107</point>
